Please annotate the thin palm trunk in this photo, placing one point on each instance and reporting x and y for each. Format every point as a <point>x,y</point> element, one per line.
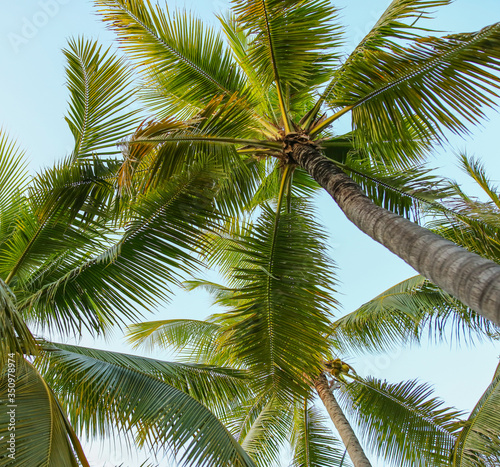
<point>474,280</point>
<point>345,430</point>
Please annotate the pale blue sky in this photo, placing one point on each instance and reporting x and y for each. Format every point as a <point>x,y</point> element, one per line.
<point>33,102</point>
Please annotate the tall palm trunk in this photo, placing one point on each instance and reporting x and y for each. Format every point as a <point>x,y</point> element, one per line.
<point>474,280</point>
<point>345,430</point>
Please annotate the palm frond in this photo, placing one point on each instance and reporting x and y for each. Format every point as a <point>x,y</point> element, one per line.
<point>189,58</point>
<point>478,443</point>
<point>313,442</point>
<point>100,87</point>
<point>396,24</point>
<point>404,314</point>
<point>267,431</point>
<point>15,337</point>
<point>35,421</point>
<point>291,45</point>
<point>283,280</point>
<point>419,430</point>
<point>106,392</point>
<point>434,85</point>
<point>13,184</point>
<point>94,289</point>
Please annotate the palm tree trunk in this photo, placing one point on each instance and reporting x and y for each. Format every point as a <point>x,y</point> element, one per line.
<point>345,430</point>
<point>474,280</point>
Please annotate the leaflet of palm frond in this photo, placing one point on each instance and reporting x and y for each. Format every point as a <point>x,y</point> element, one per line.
<point>417,419</point>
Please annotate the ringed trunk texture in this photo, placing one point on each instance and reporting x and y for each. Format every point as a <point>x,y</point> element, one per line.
<point>345,430</point>
<point>474,280</point>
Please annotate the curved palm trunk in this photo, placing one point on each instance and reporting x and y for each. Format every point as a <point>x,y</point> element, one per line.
<point>474,280</point>
<point>345,430</point>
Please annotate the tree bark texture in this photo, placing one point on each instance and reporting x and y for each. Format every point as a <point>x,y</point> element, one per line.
<point>474,280</point>
<point>344,428</point>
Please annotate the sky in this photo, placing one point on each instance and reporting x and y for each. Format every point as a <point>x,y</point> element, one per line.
<point>33,102</point>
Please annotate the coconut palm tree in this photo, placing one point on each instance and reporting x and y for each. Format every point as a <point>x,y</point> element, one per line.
<point>277,87</point>
<point>77,256</point>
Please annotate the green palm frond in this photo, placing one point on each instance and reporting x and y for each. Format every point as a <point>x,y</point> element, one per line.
<point>419,430</point>
<point>434,85</point>
<point>43,435</point>
<point>282,53</point>
<point>396,23</point>
<point>186,57</point>
<point>15,337</point>
<point>100,87</point>
<point>107,392</point>
<point>472,223</point>
<point>283,280</point>
<point>478,443</point>
<point>404,314</point>
<point>313,443</point>
<point>266,431</point>
<point>95,289</point>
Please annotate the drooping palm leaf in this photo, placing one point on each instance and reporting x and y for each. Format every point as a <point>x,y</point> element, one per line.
<point>313,443</point>
<point>100,87</point>
<point>478,443</point>
<point>404,314</point>
<point>42,433</point>
<point>94,289</point>
<point>418,432</point>
<point>107,392</point>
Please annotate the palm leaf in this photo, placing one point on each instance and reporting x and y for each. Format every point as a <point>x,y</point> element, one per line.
<point>281,52</point>
<point>188,59</point>
<point>436,84</point>
<point>106,393</point>
<point>419,430</point>
<point>404,314</point>
<point>478,443</point>
<point>313,443</point>
<point>95,289</point>
<point>100,88</point>
<point>397,23</point>
<point>277,286</point>
<point>43,435</point>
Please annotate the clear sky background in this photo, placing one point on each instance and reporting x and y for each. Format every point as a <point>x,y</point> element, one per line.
<point>33,102</point>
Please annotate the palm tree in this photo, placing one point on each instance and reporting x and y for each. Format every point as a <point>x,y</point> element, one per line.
<point>75,256</point>
<point>278,326</point>
<point>265,95</point>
